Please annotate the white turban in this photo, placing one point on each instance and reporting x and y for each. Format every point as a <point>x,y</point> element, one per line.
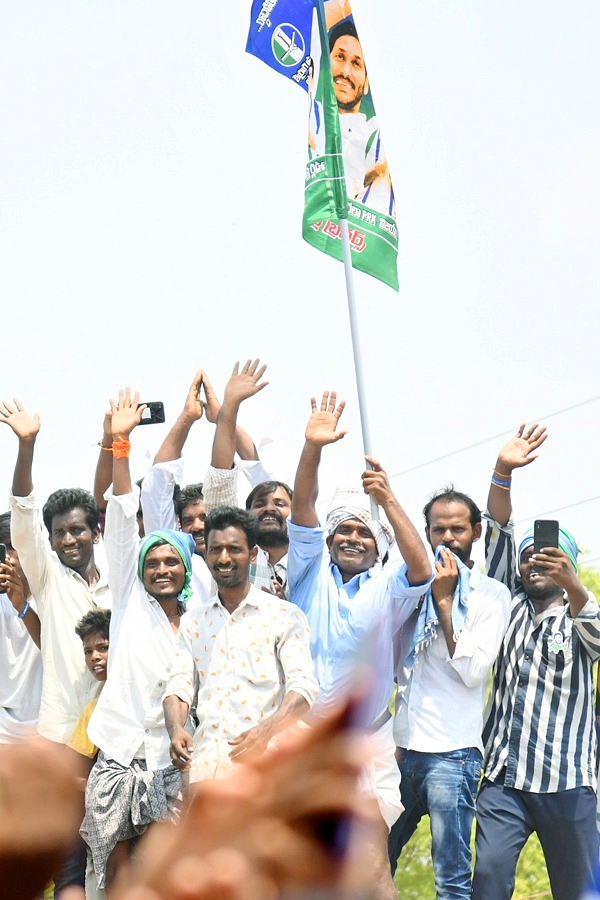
<point>349,503</point>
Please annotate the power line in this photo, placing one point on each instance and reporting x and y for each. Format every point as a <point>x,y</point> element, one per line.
<point>558,509</point>
<point>494,437</point>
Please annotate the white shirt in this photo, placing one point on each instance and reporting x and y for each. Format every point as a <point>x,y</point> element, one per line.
<point>158,488</point>
<point>439,704</point>
<point>241,665</point>
<point>20,676</point>
<point>63,597</point>
<point>128,720</point>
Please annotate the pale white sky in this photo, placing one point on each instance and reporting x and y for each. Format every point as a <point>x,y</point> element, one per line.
<point>151,192</point>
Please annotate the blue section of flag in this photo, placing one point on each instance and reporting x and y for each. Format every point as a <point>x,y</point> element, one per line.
<point>280,35</point>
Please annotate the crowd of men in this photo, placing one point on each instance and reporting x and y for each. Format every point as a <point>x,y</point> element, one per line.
<point>168,636</point>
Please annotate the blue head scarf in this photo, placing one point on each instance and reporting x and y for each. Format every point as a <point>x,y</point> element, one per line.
<point>183,543</point>
<point>566,543</point>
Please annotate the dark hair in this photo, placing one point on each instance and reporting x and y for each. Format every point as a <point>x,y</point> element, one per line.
<point>183,496</point>
<point>65,500</point>
<point>5,529</point>
<point>224,516</point>
<point>449,495</point>
<point>342,28</point>
<point>265,488</point>
<point>94,622</point>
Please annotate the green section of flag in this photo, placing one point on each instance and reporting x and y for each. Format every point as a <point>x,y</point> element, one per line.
<point>373,236</point>
<point>346,174</point>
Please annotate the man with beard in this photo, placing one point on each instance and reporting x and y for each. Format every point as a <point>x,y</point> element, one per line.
<point>449,647</point>
<point>269,500</point>
<point>539,733</point>
<point>244,656</point>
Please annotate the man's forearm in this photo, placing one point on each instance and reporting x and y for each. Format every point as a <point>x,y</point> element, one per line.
<point>173,444</point>
<point>410,544</point>
<point>499,500</point>
<point>224,443</point>
<point>176,711</point>
<point>306,487</point>
<point>445,614</point>
<point>244,445</point>
<point>292,707</point>
<point>22,484</point>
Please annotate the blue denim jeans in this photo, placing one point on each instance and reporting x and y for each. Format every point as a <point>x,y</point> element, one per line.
<point>443,786</point>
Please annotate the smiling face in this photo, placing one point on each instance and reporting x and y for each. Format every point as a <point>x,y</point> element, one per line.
<point>164,573</point>
<point>192,522</point>
<point>228,556</point>
<point>272,511</point>
<point>73,540</point>
<point>352,547</point>
<point>450,525</point>
<point>350,82</point>
<point>95,650</point>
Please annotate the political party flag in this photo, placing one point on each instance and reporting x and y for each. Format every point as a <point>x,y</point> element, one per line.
<point>315,43</point>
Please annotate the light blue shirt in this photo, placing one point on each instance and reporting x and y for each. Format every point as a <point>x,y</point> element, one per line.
<point>351,624</point>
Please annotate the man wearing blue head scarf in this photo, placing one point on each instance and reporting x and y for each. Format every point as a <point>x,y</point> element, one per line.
<point>133,782</point>
<point>539,731</point>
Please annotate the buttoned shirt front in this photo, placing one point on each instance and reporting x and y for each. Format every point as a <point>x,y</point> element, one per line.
<point>539,730</point>
<point>349,620</point>
<point>128,720</point>
<point>238,667</point>
<point>439,704</point>
<point>62,598</point>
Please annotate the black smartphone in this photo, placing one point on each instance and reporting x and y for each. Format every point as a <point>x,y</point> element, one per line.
<point>2,553</point>
<point>153,414</point>
<point>545,534</point>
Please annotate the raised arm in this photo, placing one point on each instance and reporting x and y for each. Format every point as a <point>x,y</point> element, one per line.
<point>104,466</point>
<point>26,428</point>
<point>517,453</point>
<point>11,582</point>
<point>240,386</point>
<point>126,414</point>
<point>376,485</point>
<point>320,431</point>
<point>193,410</point>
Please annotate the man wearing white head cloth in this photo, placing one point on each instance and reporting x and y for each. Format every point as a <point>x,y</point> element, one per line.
<point>353,604</point>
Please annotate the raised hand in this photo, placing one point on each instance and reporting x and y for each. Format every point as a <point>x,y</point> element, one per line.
<point>375,482</point>
<point>126,414</point>
<point>194,407</point>
<point>211,403</point>
<point>520,450</point>
<point>321,428</point>
<point>246,383</point>
<point>24,425</point>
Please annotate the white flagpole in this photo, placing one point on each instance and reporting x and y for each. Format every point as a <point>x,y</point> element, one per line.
<point>358,370</point>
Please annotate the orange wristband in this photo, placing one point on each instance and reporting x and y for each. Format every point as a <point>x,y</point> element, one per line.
<point>121,449</point>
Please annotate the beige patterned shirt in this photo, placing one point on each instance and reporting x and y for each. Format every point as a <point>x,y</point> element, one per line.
<point>239,666</point>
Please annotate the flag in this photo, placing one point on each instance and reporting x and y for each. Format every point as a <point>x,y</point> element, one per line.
<point>315,43</point>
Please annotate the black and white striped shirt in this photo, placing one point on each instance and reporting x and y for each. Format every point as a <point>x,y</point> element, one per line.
<point>539,723</point>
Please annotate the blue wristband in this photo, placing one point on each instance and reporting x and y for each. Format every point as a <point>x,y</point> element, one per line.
<point>24,611</point>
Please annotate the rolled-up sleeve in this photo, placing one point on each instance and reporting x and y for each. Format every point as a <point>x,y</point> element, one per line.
<point>183,680</point>
<point>500,552</point>
<point>220,488</point>
<point>121,543</point>
<point>158,488</point>
<point>30,542</point>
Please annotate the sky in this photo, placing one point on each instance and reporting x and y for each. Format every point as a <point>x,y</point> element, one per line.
<point>151,194</point>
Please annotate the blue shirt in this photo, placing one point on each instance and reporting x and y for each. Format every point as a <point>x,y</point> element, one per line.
<point>351,624</point>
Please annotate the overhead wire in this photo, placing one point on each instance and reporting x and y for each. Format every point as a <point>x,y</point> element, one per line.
<point>494,437</point>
